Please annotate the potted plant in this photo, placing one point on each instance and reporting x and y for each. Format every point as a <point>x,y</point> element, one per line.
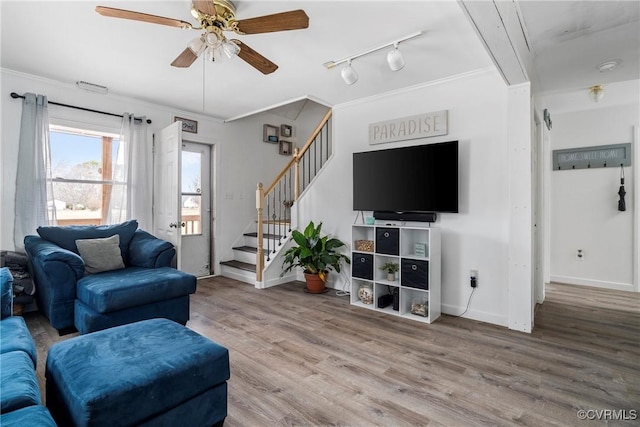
<point>316,255</point>
<point>390,268</point>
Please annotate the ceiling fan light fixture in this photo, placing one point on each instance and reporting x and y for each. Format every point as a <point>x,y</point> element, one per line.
<point>230,49</point>
<point>212,38</point>
<point>596,93</point>
<point>213,53</point>
<point>395,59</point>
<point>197,45</point>
<point>349,75</point>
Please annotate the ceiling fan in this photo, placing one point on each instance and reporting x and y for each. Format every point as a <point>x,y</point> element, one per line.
<point>215,17</point>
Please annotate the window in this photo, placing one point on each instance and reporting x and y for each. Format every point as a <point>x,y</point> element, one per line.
<point>82,169</point>
<point>191,192</point>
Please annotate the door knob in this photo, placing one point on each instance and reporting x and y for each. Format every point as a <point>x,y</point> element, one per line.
<point>183,224</point>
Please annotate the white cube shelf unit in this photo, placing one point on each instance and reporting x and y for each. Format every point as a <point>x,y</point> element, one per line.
<point>416,250</point>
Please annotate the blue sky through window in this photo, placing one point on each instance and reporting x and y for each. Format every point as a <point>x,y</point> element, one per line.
<point>68,150</point>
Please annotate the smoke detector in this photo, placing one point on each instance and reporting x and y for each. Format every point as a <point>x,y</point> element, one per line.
<point>609,66</point>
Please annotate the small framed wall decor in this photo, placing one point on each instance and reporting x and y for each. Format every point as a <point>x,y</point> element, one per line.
<point>285,148</point>
<point>286,131</point>
<point>270,134</point>
<point>188,125</point>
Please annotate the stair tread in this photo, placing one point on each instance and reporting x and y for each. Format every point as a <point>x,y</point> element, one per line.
<point>240,265</point>
<point>265,235</point>
<point>276,221</point>
<point>245,248</point>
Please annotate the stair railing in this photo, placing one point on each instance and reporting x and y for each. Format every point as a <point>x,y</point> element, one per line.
<point>279,196</point>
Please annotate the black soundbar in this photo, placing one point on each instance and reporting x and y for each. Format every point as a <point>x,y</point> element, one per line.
<point>405,216</point>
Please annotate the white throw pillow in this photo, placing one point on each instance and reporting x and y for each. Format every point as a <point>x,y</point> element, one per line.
<point>101,254</point>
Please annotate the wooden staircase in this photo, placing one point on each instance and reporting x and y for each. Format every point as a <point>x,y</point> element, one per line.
<point>273,206</point>
<point>243,265</point>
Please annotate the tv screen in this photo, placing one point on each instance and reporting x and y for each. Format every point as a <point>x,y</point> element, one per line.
<point>421,178</point>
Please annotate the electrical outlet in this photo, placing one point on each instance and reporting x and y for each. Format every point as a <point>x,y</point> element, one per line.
<point>473,275</point>
<point>580,255</point>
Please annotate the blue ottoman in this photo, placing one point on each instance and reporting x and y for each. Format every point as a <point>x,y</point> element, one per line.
<point>111,298</point>
<point>150,373</point>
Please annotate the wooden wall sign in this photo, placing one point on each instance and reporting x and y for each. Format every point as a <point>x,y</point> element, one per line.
<point>413,127</point>
<point>600,156</point>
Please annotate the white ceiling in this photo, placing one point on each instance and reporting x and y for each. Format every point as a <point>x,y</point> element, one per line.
<point>569,39</point>
<point>68,41</point>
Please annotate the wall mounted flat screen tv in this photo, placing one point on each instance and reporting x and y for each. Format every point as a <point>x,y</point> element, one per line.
<point>421,178</point>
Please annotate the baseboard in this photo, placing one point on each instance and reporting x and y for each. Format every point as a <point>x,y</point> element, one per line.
<point>593,283</point>
<point>481,316</point>
<point>278,281</point>
<point>233,273</point>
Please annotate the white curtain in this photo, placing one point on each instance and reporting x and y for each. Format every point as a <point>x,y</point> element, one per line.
<point>131,195</point>
<point>34,191</point>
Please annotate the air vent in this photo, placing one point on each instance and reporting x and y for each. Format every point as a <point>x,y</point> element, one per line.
<point>91,87</point>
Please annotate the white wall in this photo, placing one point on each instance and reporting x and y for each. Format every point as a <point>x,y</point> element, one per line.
<point>584,202</point>
<point>477,237</point>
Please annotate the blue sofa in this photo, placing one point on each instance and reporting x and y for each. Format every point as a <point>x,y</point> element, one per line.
<point>20,402</point>
<point>144,286</point>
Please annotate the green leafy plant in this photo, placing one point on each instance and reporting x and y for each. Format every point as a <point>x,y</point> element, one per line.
<point>316,254</point>
<point>390,267</point>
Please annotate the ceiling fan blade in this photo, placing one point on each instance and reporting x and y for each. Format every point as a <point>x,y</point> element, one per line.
<point>144,17</point>
<point>206,7</point>
<point>254,59</point>
<point>284,21</point>
<point>185,59</point>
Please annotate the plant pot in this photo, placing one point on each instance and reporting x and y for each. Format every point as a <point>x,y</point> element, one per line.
<point>391,277</point>
<point>315,285</point>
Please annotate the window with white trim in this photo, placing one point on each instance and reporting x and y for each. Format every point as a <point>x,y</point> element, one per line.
<point>82,165</point>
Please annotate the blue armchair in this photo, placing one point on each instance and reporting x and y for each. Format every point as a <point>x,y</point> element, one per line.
<point>147,286</point>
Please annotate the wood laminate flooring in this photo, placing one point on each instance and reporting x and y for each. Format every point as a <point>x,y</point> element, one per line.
<point>301,359</point>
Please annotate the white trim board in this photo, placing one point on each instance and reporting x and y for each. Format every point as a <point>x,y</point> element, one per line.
<point>593,283</point>
<point>481,316</point>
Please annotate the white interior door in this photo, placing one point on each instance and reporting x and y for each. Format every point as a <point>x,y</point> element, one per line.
<point>167,214</point>
<point>196,208</point>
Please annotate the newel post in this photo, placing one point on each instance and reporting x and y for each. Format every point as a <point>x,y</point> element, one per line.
<point>259,253</point>
<point>296,180</point>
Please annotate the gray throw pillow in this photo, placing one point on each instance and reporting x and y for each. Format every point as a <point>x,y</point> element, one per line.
<point>101,254</point>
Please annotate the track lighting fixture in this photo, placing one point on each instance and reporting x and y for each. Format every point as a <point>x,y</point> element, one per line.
<point>349,75</point>
<point>395,59</point>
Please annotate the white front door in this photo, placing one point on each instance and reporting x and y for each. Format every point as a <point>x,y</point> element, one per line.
<point>167,214</point>
<point>196,208</point>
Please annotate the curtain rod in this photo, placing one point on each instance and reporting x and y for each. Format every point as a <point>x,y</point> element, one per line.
<point>16,96</point>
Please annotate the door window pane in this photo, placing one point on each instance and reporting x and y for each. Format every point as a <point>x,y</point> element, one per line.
<point>191,215</point>
<point>191,171</point>
<point>191,198</point>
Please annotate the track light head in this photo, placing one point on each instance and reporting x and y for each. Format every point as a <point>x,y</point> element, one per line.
<point>349,75</point>
<point>395,59</point>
